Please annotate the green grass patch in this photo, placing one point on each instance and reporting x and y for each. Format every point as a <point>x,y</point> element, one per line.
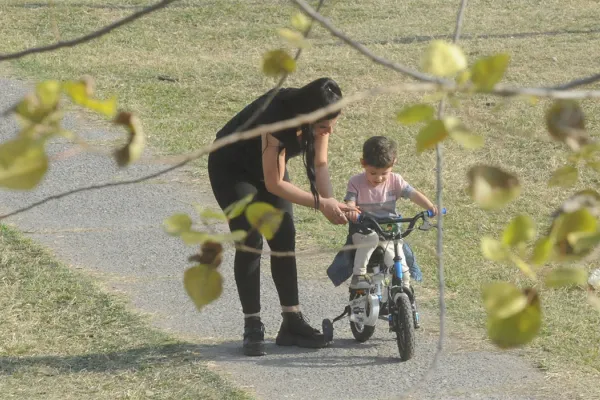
<point>62,337</point>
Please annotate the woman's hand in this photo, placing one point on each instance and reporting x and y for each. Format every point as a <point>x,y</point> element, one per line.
<point>335,211</point>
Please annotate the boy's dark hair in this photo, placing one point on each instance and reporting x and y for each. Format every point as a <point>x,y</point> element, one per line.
<point>379,152</point>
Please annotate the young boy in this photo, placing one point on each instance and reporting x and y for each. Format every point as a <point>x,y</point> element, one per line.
<point>376,190</point>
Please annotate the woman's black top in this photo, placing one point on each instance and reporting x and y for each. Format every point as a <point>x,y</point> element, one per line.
<point>247,154</point>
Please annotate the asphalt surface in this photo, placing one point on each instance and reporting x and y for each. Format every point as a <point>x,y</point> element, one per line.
<point>116,235</point>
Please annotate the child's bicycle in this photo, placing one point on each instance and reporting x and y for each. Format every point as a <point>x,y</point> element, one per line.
<point>381,299</point>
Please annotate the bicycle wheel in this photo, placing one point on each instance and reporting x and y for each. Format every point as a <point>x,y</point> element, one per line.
<point>404,327</point>
<point>361,332</point>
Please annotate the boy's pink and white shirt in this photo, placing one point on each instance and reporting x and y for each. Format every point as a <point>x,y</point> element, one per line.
<point>381,199</point>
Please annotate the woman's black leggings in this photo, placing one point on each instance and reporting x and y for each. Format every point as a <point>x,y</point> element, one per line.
<point>230,184</point>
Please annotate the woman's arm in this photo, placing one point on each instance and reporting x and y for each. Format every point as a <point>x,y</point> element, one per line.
<point>273,170</point>
<point>321,166</point>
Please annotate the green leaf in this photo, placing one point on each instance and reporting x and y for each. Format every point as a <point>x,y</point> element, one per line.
<point>523,266</point>
<point>564,276</point>
<point>416,113</point>
<point>443,59</point>
<point>177,224</point>
<point>278,62</point>
<point>265,218</point>
<point>494,250</point>
<point>207,214</point>
<point>203,285</point>
<point>192,238</point>
<point>488,71</point>
<point>502,299</point>
<point>23,163</point>
<point>542,251</point>
<point>430,135</point>
<point>519,231</point>
<point>564,177</point>
<point>583,242</point>
<point>294,38</point>
<point>136,142</point>
<point>580,221</point>
<point>491,187</point>
<point>300,22</point>
<point>565,122</point>
<point>236,209</point>
<point>517,329</point>
<point>80,93</point>
<point>461,134</point>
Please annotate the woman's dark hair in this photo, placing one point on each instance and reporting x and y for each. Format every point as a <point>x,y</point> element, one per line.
<point>316,94</point>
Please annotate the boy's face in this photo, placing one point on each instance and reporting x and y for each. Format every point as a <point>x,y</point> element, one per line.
<point>376,176</point>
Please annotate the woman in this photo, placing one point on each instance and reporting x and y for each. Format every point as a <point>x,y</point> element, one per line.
<point>258,166</point>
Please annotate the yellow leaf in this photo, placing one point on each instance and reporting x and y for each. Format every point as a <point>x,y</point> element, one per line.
<point>80,93</point>
<point>134,148</point>
<point>461,134</point>
<point>430,135</point>
<point>488,71</point>
<point>177,224</point>
<point>564,177</point>
<point>494,250</point>
<point>236,209</point>
<point>207,214</point>
<point>491,187</point>
<point>203,284</point>
<point>566,123</point>
<point>502,299</point>
<point>517,329</point>
<point>294,38</point>
<point>300,22</point>
<point>443,59</point>
<point>48,92</point>
<point>564,276</point>
<point>23,163</point>
<point>265,218</point>
<point>520,230</point>
<point>278,62</point>
<point>416,113</point>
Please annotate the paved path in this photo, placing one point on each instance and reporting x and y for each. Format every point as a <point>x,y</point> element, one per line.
<point>116,234</point>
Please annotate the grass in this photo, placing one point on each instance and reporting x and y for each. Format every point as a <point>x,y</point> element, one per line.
<point>214,49</point>
<point>61,337</point>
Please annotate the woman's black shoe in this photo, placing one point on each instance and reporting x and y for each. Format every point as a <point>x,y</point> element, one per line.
<point>295,331</point>
<point>254,337</point>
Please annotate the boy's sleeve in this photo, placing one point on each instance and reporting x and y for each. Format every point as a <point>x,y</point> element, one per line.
<point>351,190</point>
<point>402,188</point>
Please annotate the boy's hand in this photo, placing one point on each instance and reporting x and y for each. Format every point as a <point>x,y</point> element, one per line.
<point>434,210</point>
<point>352,216</point>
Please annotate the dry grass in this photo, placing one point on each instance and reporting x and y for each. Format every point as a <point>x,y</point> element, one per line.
<point>61,337</point>
<point>214,49</point>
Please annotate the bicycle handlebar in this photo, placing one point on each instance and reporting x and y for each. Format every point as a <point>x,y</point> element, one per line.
<point>375,222</point>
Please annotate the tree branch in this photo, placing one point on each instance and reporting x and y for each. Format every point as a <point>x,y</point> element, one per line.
<point>91,36</point>
<point>363,49</point>
<point>440,223</point>
<point>577,82</point>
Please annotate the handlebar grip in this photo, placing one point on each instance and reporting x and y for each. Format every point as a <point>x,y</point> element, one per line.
<point>429,214</point>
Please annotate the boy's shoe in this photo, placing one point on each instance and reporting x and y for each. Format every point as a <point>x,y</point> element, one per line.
<point>254,337</point>
<point>295,331</point>
<point>360,282</point>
